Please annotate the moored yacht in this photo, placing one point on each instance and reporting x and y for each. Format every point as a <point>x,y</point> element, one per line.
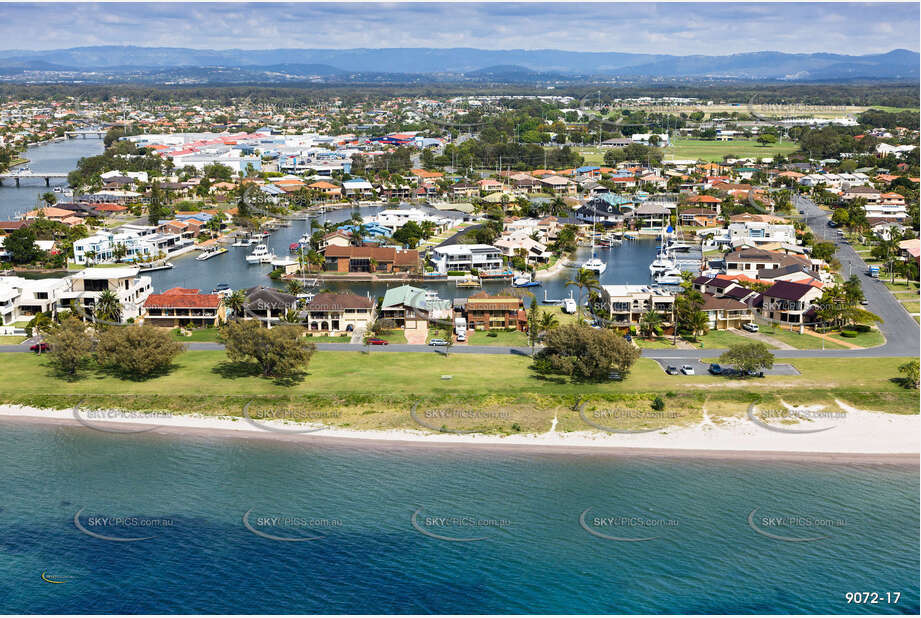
<point>260,255</point>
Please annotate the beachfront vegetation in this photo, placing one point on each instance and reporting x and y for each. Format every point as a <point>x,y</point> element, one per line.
<point>136,352</point>
<point>748,357</point>
<point>584,353</point>
<point>280,352</point>
<point>71,346</point>
<point>205,382</point>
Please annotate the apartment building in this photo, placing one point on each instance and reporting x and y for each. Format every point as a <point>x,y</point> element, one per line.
<point>627,303</point>
<point>464,258</point>
<point>84,288</point>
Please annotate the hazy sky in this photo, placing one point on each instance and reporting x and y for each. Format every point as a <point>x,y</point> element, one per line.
<point>676,28</point>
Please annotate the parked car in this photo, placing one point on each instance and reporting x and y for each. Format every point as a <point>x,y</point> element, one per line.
<point>750,327</point>
<point>438,342</point>
<point>39,347</point>
<point>461,336</point>
<point>377,341</point>
<point>671,370</point>
<point>687,370</point>
<point>864,302</point>
<point>715,369</point>
<point>755,374</point>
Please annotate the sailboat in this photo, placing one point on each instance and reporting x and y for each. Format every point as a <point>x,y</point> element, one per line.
<point>594,263</point>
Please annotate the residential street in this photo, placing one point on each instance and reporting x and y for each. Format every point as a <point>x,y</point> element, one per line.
<point>900,329</point>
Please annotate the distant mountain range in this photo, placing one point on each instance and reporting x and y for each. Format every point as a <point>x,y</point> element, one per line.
<point>456,63</point>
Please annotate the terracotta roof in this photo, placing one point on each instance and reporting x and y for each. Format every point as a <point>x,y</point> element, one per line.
<point>381,254</point>
<point>705,199</point>
<point>183,298</point>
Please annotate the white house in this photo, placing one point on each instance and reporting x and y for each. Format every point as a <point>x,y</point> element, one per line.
<point>20,299</point>
<point>466,257</point>
<point>85,286</point>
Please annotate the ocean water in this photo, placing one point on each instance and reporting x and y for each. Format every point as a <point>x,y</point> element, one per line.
<point>187,496</point>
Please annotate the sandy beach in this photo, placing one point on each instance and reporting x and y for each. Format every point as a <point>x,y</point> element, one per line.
<point>860,435</point>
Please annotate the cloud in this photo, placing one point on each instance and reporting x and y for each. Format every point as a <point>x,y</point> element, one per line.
<point>672,28</point>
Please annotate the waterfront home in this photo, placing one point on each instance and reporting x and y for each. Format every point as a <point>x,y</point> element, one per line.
<point>395,218</point>
<point>85,286</point>
<point>626,304</point>
<point>464,258</point>
<point>752,261</point>
<point>706,201</point>
<point>268,305</point>
<point>184,306</point>
<point>790,303</point>
<point>409,307</point>
<point>650,217</point>
<point>335,314</point>
<point>724,312</point>
<point>21,299</point>
<point>337,238</point>
<point>370,259</point>
<point>50,213</point>
<point>326,189</point>
<point>486,312</point>
<point>520,243</point>
<point>698,216</point>
<point>357,187</point>
<point>558,185</point>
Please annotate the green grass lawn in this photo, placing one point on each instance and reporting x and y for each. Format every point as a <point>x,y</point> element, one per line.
<point>656,343</point>
<point>198,334</point>
<point>11,339</point>
<point>686,148</point>
<point>800,342</point>
<point>868,339</point>
<point>394,336</point>
<point>497,337</point>
<point>719,339</point>
<point>901,286</point>
<point>376,390</point>
<point>913,307</point>
<point>329,338</point>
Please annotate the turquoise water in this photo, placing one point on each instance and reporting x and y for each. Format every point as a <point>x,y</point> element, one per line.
<point>704,557</point>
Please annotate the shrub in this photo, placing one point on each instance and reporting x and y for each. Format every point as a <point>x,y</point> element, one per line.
<point>849,333</point>
<point>658,403</point>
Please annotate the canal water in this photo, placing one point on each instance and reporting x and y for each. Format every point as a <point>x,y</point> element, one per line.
<point>627,263</point>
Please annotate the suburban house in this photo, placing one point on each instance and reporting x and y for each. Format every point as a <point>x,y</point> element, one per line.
<point>336,238</point>
<point>464,258</point>
<point>85,286</point>
<point>649,216</point>
<point>410,307</point>
<point>752,261</point>
<point>347,259</point>
<point>698,216</point>
<point>183,306</point>
<point>486,312</point>
<point>328,189</point>
<point>724,312</point>
<point>790,303</point>
<point>626,304</point>
<point>268,305</point>
<point>21,299</point>
<point>334,314</point>
<point>558,185</point>
<point>706,201</point>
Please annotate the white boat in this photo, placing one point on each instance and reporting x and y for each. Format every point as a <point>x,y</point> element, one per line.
<point>569,304</point>
<point>243,242</point>
<point>210,253</point>
<point>661,264</point>
<point>594,263</point>
<point>672,276</point>
<point>524,282</point>
<point>260,255</point>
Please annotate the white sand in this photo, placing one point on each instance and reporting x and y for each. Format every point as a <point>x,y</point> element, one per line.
<point>861,432</point>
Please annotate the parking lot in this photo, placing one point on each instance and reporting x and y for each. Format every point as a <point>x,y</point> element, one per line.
<point>701,368</point>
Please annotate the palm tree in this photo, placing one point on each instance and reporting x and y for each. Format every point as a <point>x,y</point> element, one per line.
<point>236,301</point>
<point>90,256</point>
<point>698,323</point>
<point>49,198</point>
<point>547,322</point>
<point>584,280</point>
<point>294,287</point>
<point>650,323</point>
<point>108,307</point>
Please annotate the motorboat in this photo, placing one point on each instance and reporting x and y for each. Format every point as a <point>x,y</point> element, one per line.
<point>243,242</point>
<point>222,289</point>
<point>525,282</point>
<point>569,304</point>
<point>662,263</point>
<point>594,263</point>
<point>210,253</point>
<point>260,255</point>
<point>671,276</point>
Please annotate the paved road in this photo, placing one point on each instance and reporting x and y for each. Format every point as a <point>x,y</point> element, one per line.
<point>901,330</point>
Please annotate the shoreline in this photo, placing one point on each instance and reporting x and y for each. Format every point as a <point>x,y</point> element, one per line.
<point>737,440</point>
